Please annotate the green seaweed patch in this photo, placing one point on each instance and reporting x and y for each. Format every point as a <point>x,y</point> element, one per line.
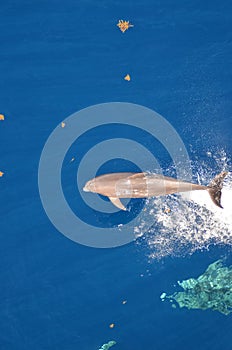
<point>212,290</point>
<point>108,345</point>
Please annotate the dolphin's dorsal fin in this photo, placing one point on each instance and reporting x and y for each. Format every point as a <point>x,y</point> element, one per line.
<point>137,175</point>
<point>116,201</point>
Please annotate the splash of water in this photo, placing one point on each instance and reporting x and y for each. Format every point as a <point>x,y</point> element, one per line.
<point>186,223</point>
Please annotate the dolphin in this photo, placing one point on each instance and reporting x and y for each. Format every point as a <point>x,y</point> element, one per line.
<point>144,185</point>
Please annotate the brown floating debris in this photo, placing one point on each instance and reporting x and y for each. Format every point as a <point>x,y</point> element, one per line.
<point>127,77</point>
<point>124,25</point>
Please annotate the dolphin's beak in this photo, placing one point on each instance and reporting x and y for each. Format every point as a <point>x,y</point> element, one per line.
<point>89,186</point>
<point>86,187</point>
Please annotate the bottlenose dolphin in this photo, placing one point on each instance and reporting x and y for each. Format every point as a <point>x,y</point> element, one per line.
<point>144,185</point>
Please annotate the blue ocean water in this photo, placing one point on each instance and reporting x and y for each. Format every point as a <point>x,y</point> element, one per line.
<point>58,57</point>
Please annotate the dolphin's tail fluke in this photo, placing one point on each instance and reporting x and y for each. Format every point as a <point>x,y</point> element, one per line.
<point>215,188</point>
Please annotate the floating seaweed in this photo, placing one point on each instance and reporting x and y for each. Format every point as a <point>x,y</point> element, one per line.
<point>124,25</point>
<point>127,77</point>
<point>212,290</point>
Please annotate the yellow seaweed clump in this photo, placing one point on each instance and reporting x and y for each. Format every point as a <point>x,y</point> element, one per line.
<point>124,25</point>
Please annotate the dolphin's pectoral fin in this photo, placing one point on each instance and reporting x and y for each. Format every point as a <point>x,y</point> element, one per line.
<point>116,201</point>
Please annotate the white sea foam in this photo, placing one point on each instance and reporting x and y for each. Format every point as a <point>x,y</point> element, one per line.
<point>193,222</point>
